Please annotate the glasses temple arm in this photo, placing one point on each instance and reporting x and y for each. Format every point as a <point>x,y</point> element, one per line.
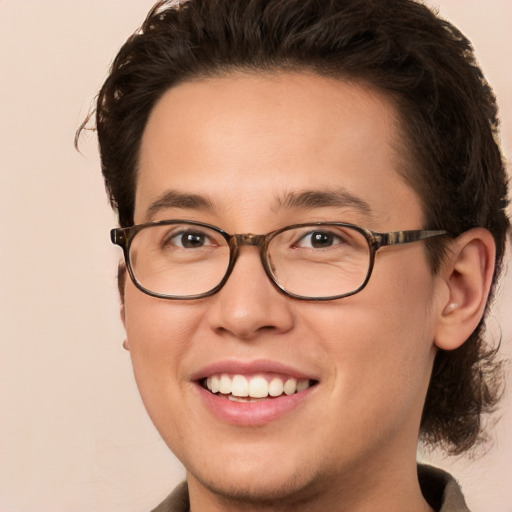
<point>405,237</point>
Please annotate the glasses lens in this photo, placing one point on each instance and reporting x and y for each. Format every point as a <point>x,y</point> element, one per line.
<point>179,259</point>
<point>319,261</point>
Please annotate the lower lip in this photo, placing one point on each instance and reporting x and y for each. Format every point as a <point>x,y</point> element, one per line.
<point>255,413</point>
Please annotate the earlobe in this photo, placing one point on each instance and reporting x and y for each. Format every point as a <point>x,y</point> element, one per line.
<point>468,271</point>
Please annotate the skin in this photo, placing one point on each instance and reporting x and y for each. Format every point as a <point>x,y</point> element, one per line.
<point>244,142</point>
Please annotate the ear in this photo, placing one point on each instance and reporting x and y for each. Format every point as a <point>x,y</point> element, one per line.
<point>468,272</point>
<point>122,314</point>
<point>121,281</point>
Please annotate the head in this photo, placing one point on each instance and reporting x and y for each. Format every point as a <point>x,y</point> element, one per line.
<point>415,73</point>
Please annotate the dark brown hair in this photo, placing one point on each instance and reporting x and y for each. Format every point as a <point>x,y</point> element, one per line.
<point>424,64</point>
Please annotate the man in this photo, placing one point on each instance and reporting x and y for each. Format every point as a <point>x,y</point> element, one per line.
<point>312,210</point>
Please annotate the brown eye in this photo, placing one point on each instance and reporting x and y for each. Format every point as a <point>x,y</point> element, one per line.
<point>187,239</point>
<point>192,240</point>
<point>318,240</point>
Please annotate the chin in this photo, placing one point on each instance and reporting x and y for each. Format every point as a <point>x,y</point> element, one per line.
<point>263,488</point>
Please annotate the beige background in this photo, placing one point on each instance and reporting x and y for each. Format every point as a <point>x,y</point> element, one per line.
<point>73,434</point>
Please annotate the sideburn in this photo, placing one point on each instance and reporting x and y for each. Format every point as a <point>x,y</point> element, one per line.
<point>121,280</point>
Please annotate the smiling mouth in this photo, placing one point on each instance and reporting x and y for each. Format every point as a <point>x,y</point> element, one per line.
<point>239,388</point>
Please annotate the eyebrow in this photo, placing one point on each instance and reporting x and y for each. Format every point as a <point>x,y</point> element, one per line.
<point>310,199</point>
<point>175,199</point>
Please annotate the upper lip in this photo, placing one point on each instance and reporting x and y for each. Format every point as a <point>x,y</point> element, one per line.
<point>250,368</point>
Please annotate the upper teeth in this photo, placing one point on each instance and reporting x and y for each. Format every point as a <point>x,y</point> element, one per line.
<point>255,387</point>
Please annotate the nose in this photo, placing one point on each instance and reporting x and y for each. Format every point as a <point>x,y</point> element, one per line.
<point>249,304</point>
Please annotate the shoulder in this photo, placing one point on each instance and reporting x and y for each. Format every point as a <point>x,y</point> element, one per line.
<point>177,501</point>
<point>441,490</point>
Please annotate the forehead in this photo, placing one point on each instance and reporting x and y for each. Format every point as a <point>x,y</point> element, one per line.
<point>270,136</point>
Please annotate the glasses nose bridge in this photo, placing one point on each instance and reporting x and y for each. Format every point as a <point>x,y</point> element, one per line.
<point>238,240</point>
<point>248,239</point>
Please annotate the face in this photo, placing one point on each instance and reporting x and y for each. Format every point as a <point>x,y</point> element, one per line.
<point>247,145</point>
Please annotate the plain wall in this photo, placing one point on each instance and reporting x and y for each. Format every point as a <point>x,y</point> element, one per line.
<point>74,436</point>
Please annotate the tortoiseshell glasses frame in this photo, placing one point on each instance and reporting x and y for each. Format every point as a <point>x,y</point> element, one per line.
<point>319,261</point>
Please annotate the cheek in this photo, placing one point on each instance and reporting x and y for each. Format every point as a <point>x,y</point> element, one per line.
<point>380,341</point>
<point>158,334</point>
<point>367,337</point>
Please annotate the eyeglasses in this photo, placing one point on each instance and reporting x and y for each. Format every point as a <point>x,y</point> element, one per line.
<point>181,259</point>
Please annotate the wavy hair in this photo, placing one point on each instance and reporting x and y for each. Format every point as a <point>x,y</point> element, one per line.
<point>426,67</point>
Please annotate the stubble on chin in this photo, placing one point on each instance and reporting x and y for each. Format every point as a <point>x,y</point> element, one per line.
<point>298,493</point>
